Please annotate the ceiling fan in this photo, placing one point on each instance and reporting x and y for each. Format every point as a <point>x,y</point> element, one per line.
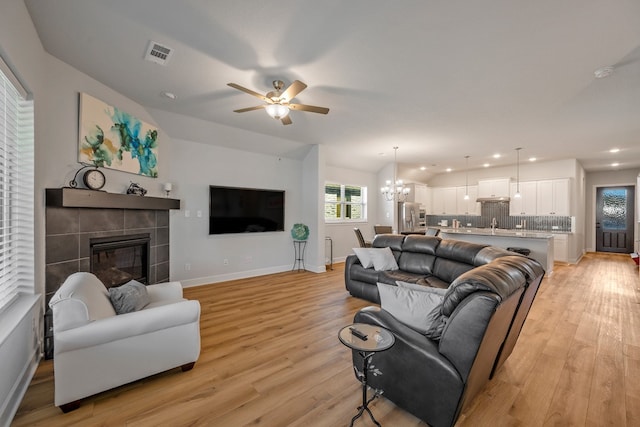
<point>278,101</point>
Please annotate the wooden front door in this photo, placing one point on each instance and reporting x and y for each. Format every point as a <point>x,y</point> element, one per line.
<point>614,219</point>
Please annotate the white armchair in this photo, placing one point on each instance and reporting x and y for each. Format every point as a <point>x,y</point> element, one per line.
<point>96,350</point>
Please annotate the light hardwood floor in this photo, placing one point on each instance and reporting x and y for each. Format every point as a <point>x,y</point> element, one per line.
<point>271,357</point>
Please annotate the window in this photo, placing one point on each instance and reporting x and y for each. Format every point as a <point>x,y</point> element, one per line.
<point>16,188</point>
<point>345,202</point>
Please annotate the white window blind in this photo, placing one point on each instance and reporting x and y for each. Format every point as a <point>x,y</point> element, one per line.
<point>16,188</point>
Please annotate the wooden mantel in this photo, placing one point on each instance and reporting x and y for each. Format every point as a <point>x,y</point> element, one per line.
<point>81,198</point>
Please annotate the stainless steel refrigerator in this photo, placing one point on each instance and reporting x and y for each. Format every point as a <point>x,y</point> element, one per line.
<point>408,216</point>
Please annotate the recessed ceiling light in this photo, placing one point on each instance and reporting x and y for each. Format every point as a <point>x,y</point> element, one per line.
<point>496,156</point>
<point>382,154</point>
<point>486,165</point>
<point>169,95</point>
<point>423,168</point>
<point>449,169</point>
<point>603,72</point>
<point>614,150</point>
<point>532,159</point>
<point>615,165</point>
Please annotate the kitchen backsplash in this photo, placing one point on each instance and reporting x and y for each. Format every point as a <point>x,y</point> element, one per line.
<point>500,211</point>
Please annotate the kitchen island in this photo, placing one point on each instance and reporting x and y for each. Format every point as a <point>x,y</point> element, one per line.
<point>538,242</point>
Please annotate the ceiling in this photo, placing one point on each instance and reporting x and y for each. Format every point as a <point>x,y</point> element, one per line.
<point>439,79</point>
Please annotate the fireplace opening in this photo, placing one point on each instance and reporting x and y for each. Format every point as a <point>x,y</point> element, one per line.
<point>118,259</point>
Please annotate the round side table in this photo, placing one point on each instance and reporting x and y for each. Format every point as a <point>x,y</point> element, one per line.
<point>367,340</point>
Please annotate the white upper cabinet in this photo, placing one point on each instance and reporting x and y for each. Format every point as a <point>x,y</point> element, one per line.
<point>494,188</point>
<point>444,201</point>
<point>418,193</point>
<point>469,206</point>
<point>553,197</point>
<point>526,204</point>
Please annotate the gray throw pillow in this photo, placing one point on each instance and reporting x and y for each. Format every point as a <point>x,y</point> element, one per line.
<point>383,259</point>
<point>132,296</point>
<point>364,256</point>
<point>416,309</point>
<point>421,288</point>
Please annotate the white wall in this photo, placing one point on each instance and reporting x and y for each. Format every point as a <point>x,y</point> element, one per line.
<point>342,235</point>
<point>195,167</point>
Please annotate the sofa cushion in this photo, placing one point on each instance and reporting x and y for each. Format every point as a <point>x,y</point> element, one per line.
<point>448,270</point>
<point>390,277</point>
<point>416,309</point>
<point>456,250</point>
<point>421,244</point>
<point>421,288</point>
<point>393,241</point>
<point>433,282</point>
<point>132,296</point>
<point>383,259</point>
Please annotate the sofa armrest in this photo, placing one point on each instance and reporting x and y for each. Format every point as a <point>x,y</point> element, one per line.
<point>348,262</point>
<point>165,291</point>
<point>128,325</point>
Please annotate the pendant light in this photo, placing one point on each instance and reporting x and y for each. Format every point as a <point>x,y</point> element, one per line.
<point>517,195</point>
<point>466,183</point>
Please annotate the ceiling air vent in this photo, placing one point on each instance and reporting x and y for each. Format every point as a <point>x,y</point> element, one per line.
<point>158,53</point>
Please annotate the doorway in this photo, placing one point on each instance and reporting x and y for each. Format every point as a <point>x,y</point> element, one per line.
<point>614,219</point>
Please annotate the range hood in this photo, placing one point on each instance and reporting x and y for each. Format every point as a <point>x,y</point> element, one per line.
<point>492,199</point>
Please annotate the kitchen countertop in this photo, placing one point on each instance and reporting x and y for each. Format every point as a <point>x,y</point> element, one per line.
<point>499,232</point>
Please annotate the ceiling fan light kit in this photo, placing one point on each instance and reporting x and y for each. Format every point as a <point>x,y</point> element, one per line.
<point>277,111</point>
<point>278,102</point>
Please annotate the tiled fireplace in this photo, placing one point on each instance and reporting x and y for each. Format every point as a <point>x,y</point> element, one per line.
<point>78,219</point>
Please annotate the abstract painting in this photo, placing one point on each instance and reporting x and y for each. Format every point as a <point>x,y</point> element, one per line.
<point>112,138</point>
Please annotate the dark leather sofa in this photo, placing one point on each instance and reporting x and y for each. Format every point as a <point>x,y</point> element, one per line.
<point>490,292</point>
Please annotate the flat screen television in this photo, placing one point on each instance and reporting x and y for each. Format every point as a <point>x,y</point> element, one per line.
<point>245,210</point>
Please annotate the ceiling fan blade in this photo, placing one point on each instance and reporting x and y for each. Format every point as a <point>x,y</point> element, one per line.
<point>286,120</point>
<point>294,88</point>
<point>250,92</point>
<point>244,110</point>
<point>310,108</point>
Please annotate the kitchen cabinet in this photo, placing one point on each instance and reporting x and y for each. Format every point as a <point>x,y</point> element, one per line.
<point>553,197</point>
<point>494,188</point>
<point>426,201</point>
<point>444,201</point>
<point>470,206</point>
<point>526,204</point>
<point>417,192</point>
<point>561,247</point>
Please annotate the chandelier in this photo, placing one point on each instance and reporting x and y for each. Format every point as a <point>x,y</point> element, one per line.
<point>397,191</point>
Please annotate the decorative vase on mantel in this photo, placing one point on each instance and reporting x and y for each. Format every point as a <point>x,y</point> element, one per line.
<point>299,232</point>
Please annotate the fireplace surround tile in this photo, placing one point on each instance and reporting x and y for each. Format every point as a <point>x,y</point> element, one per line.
<point>62,221</point>
<point>139,219</point>
<point>69,230</point>
<point>62,247</point>
<point>92,220</point>
<point>56,274</point>
<point>162,253</point>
